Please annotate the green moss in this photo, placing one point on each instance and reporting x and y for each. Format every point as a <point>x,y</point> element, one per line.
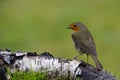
<point>36,25</point>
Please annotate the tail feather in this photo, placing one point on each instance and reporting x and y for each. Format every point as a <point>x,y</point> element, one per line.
<point>97,62</point>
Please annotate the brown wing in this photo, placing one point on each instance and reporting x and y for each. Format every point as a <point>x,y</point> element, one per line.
<point>85,43</point>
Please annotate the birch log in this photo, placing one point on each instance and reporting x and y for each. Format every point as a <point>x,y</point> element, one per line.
<point>71,69</point>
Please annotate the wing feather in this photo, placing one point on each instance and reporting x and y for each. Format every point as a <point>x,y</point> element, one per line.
<point>87,44</point>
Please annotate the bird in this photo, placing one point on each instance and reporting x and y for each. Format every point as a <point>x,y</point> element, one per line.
<point>84,42</point>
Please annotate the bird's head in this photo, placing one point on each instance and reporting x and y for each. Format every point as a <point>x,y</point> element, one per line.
<point>77,26</point>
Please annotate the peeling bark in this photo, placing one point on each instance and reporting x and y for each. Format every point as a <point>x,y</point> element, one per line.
<point>55,67</point>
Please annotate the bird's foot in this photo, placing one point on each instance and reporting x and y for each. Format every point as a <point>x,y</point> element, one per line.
<point>76,57</point>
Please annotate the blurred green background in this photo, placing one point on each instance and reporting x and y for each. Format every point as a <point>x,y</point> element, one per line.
<point>40,25</point>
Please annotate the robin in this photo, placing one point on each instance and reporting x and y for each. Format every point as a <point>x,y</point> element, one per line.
<point>84,42</point>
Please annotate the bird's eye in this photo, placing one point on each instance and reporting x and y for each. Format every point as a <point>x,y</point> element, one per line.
<point>75,25</point>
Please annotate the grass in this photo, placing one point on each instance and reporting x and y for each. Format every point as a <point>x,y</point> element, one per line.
<point>28,76</point>
<point>22,75</point>
<point>36,25</point>
<point>31,75</point>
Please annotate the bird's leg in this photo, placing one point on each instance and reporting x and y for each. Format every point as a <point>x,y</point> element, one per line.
<point>76,57</point>
<point>87,58</point>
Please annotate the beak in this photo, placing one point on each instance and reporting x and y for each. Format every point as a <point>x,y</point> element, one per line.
<point>68,27</point>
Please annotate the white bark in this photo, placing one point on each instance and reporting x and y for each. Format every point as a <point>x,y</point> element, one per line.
<point>56,67</point>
